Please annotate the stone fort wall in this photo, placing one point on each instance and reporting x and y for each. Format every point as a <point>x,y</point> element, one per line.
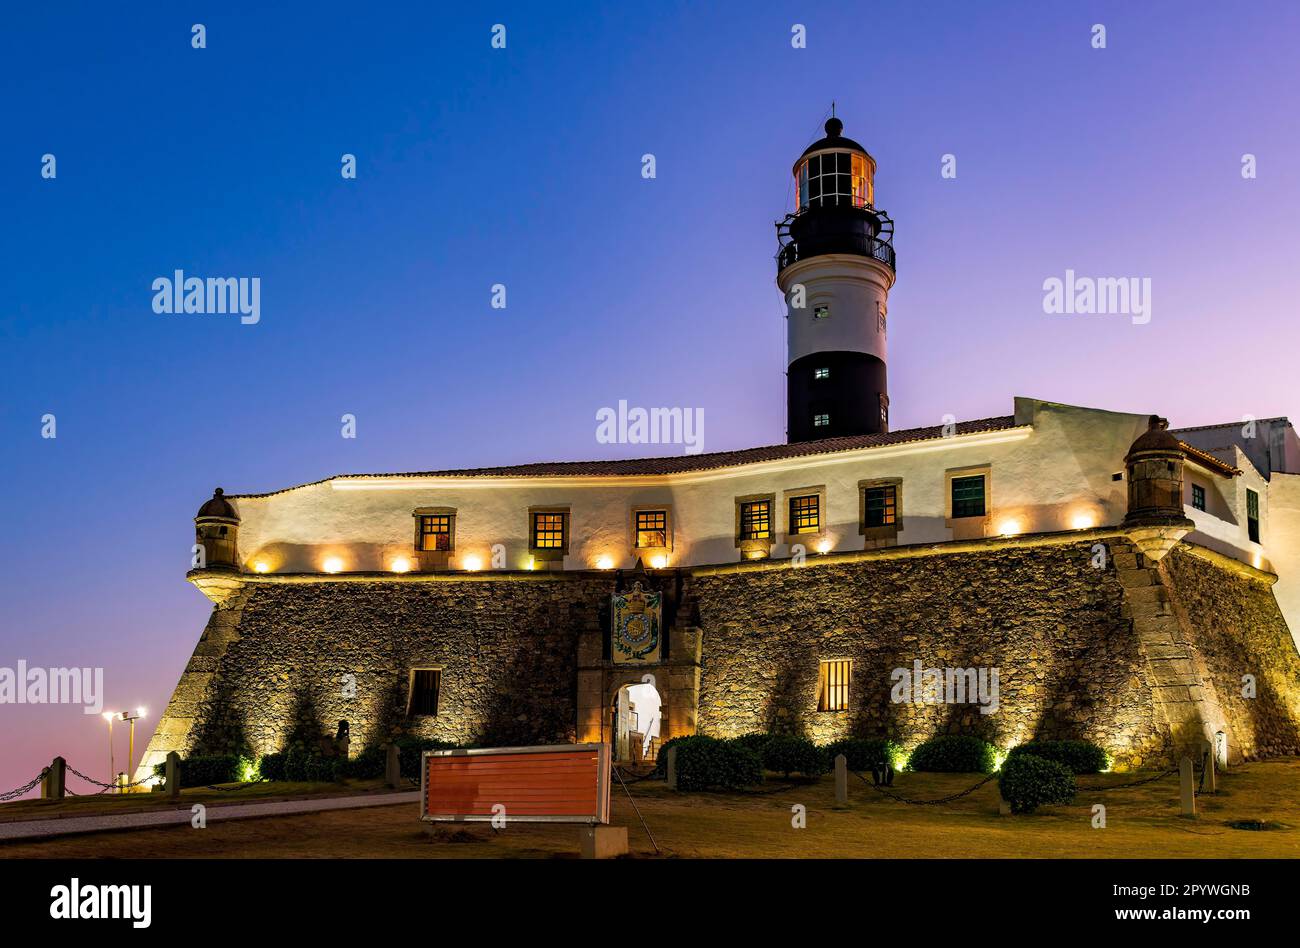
<point>1139,658</point>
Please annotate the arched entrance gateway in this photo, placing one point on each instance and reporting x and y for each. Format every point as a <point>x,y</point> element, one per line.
<point>639,675</point>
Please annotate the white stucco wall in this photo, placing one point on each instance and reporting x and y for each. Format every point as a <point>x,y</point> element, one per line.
<point>1282,541</point>
<point>1054,467</point>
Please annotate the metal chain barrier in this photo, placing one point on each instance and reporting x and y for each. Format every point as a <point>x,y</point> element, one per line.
<point>108,786</point>
<point>948,799</point>
<point>25,788</point>
<point>1134,783</point>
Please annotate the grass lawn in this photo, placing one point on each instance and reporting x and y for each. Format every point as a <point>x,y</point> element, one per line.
<point>1141,822</point>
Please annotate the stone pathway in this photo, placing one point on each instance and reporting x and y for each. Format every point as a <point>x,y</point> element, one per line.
<point>64,826</point>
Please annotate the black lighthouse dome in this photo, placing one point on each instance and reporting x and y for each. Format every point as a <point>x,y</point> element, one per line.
<point>835,208</point>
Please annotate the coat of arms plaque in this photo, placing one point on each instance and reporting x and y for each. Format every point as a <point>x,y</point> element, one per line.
<point>636,623</point>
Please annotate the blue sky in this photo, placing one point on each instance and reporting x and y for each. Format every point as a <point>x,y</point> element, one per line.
<point>522,166</point>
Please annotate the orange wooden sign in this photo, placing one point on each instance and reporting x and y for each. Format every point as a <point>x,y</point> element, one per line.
<point>566,783</point>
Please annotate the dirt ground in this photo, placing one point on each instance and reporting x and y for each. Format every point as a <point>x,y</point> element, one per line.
<point>1141,821</point>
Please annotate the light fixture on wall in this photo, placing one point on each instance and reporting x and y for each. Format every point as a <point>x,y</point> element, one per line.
<point>332,564</point>
<point>400,564</point>
<point>1009,527</point>
<point>824,546</point>
<point>472,564</point>
<point>658,561</point>
<point>1083,521</point>
<point>261,566</point>
<point>605,562</point>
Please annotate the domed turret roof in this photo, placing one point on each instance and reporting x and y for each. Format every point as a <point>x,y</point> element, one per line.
<point>218,506</point>
<point>1156,438</point>
<point>833,139</point>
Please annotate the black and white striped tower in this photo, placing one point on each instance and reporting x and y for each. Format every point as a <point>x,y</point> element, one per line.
<point>835,266</point>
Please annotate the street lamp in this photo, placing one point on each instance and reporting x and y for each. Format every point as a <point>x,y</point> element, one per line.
<point>130,747</point>
<point>108,716</point>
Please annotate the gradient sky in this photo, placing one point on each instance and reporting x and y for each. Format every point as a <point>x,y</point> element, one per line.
<point>522,166</point>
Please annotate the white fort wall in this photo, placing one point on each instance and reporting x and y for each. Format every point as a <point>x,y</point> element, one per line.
<point>1053,471</point>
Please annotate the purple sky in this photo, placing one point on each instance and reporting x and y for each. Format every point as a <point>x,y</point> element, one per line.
<point>522,166</point>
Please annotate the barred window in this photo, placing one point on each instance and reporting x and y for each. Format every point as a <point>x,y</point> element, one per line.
<point>821,421</point>
<point>821,373</point>
<point>756,520</point>
<point>834,179</point>
<point>651,528</point>
<point>881,506</point>
<point>833,685</point>
<point>1252,515</point>
<point>435,532</point>
<point>968,496</point>
<point>1198,496</point>
<point>549,531</point>
<point>821,312</point>
<point>805,514</point>
<point>425,685</point>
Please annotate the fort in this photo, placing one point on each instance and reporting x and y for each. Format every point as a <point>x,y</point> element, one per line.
<point>1134,585</point>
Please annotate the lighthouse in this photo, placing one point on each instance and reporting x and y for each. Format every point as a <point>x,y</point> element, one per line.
<point>835,266</point>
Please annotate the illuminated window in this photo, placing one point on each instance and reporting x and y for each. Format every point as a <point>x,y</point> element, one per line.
<point>1198,496</point>
<point>756,520</point>
<point>833,685</point>
<point>1252,515</point>
<point>884,411</point>
<point>821,312</point>
<point>881,506</point>
<point>821,421</point>
<point>435,532</point>
<point>549,531</point>
<point>425,685</point>
<point>651,528</point>
<point>834,179</point>
<point>805,514</point>
<point>968,496</point>
<point>821,373</point>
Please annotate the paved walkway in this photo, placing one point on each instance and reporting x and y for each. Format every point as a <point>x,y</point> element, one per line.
<point>63,826</point>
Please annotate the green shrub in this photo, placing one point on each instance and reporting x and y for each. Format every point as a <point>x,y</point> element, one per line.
<point>755,742</point>
<point>1028,782</point>
<point>704,763</point>
<point>866,753</point>
<point>954,753</point>
<point>204,770</point>
<point>411,749</point>
<point>789,755</point>
<point>1080,757</point>
<point>271,766</point>
<point>367,765</point>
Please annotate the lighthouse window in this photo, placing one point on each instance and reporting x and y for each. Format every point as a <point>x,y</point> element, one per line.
<point>435,532</point>
<point>821,312</point>
<point>821,373</point>
<point>1252,515</point>
<point>834,179</point>
<point>756,520</point>
<point>805,514</point>
<point>968,496</point>
<point>1198,496</point>
<point>821,421</point>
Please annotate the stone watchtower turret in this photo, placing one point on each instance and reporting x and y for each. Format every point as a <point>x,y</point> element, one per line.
<point>216,529</point>
<point>1154,469</point>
